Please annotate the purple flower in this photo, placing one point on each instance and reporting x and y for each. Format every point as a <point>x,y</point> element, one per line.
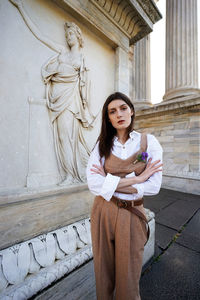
<point>141,157</point>
<point>144,155</point>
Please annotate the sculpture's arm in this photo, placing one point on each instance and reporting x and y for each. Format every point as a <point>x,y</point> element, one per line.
<point>34,29</point>
<point>84,83</point>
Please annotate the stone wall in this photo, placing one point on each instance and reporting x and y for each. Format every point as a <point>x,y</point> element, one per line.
<point>176,124</point>
<point>27,148</point>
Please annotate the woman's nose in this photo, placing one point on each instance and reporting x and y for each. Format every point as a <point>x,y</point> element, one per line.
<point>119,114</point>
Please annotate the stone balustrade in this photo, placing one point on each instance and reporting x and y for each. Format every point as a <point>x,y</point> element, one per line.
<point>31,266</point>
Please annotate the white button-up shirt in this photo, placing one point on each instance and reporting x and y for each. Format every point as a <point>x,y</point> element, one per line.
<point>106,186</point>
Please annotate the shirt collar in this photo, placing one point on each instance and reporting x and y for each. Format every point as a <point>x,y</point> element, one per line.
<point>133,134</point>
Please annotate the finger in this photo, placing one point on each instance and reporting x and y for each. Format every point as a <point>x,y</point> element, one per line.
<point>157,170</point>
<point>158,166</point>
<point>155,162</point>
<point>95,170</point>
<point>97,167</point>
<point>149,161</point>
<point>153,165</point>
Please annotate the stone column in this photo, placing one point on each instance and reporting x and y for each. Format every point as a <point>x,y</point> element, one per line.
<point>141,74</point>
<point>122,71</point>
<point>181,49</point>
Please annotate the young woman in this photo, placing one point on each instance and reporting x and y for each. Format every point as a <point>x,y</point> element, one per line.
<point>124,166</point>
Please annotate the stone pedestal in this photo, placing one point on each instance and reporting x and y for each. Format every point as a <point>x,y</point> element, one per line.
<point>141,74</point>
<point>181,49</point>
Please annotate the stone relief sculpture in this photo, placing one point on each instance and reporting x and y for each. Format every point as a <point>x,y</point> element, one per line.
<point>67,98</point>
<point>67,94</point>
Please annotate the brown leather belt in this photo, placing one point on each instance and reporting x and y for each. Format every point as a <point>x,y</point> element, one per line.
<point>126,203</point>
<point>130,205</point>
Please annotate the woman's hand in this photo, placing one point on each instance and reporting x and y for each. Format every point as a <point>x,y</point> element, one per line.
<point>98,170</point>
<point>151,168</point>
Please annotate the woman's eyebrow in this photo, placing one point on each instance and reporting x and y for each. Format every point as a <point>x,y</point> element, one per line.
<point>114,108</point>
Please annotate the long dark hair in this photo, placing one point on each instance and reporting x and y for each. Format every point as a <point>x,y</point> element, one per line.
<point>108,132</point>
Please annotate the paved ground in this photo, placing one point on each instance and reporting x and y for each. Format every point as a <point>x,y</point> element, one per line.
<point>173,273</point>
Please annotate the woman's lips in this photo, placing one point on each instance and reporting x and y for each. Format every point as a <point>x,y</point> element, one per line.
<point>121,122</point>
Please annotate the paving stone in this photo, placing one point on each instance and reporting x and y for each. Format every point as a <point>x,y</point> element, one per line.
<point>157,253</point>
<point>177,214</point>
<point>79,285</point>
<point>164,235</point>
<point>185,196</point>
<point>190,236</point>
<point>166,197</point>
<point>175,276</point>
<point>158,202</point>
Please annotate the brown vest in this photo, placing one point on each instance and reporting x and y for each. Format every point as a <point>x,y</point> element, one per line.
<point>121,167</point>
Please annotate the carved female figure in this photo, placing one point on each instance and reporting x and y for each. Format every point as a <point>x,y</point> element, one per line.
<point>65,76</point>
<point>67,93</point>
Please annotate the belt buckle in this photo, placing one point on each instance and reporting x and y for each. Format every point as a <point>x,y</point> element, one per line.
<point>122,203</point>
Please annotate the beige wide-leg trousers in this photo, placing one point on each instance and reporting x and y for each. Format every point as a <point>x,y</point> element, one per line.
<point>118,238</point>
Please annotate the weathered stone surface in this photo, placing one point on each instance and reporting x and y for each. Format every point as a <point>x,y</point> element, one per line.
<point>174,276</point>
<point>164,235</point>
<point>190,236</point>
<point>31,217</point>
<point>177,214</point>
<point>33,265</point>
<point>134,19</point>
<point>158,202</point>
<point>172,123</point>
<point>66,289</point>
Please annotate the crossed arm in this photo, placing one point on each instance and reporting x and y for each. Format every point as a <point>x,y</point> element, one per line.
<point>125,184</point>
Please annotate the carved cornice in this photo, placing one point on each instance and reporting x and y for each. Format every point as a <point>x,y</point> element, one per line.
<point>151,10</point>
<point>182,105</point>
<point>134,18</point>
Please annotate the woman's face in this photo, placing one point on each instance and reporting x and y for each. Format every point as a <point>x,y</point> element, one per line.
<point>71,38</point>
<point>119,114</point>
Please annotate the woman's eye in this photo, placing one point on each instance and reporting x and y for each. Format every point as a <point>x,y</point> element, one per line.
<point>112,112</point>
<point>124,108</point>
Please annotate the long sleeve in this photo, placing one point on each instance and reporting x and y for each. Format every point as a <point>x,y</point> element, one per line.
<point>98,184</point>
<point>153,184</point>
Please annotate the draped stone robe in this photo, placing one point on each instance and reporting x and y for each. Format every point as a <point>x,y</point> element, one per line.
<point>67,93</point>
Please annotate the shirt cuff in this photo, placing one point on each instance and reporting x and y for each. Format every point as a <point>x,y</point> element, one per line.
<point>109,186</point>
<point>140,189</point>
